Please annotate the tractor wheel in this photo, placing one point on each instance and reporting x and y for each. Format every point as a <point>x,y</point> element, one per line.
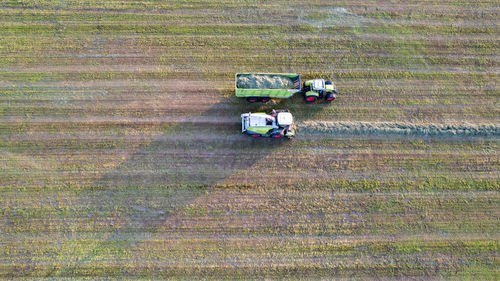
<point>252,99</point>
<point>265,99</point>
<point>330,97</point>
<point>328,82</point>
<point>311,98</point>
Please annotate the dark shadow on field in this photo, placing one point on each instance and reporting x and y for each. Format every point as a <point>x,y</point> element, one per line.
<point>199,152</point>
<point>183,164</point>
<point>206,148</point>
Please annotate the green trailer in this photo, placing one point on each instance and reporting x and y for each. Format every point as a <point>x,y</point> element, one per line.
<point>262,87</point>
<point>265,86</point>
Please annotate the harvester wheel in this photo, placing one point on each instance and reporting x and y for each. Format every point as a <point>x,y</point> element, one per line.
<point>264,99</point>
<point>255,135</point>
<point>330,97</point>
<point>277,135</point>
<point>311,98</point>
<point>252,99</point>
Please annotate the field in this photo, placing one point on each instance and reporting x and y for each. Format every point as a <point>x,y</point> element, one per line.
<point>121,155</point>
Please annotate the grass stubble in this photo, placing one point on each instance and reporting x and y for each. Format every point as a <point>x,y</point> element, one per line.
<point>120,154</point>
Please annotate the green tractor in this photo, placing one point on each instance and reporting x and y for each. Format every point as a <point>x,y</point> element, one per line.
<point>317,89</point>
<point>278,124</point>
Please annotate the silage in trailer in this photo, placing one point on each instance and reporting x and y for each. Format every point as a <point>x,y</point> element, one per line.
<point>264,81</point>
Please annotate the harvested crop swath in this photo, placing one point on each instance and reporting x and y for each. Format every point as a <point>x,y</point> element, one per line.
<point>403,129</point>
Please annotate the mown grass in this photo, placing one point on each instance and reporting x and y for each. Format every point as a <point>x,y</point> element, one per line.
<point>476,77</point>
<point>313,226</point>
<point>338,42</point>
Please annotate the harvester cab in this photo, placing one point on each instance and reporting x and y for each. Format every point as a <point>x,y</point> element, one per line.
<point>319,88</point>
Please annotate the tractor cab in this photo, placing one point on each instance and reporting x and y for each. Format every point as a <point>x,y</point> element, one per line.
<point>318,85</point>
